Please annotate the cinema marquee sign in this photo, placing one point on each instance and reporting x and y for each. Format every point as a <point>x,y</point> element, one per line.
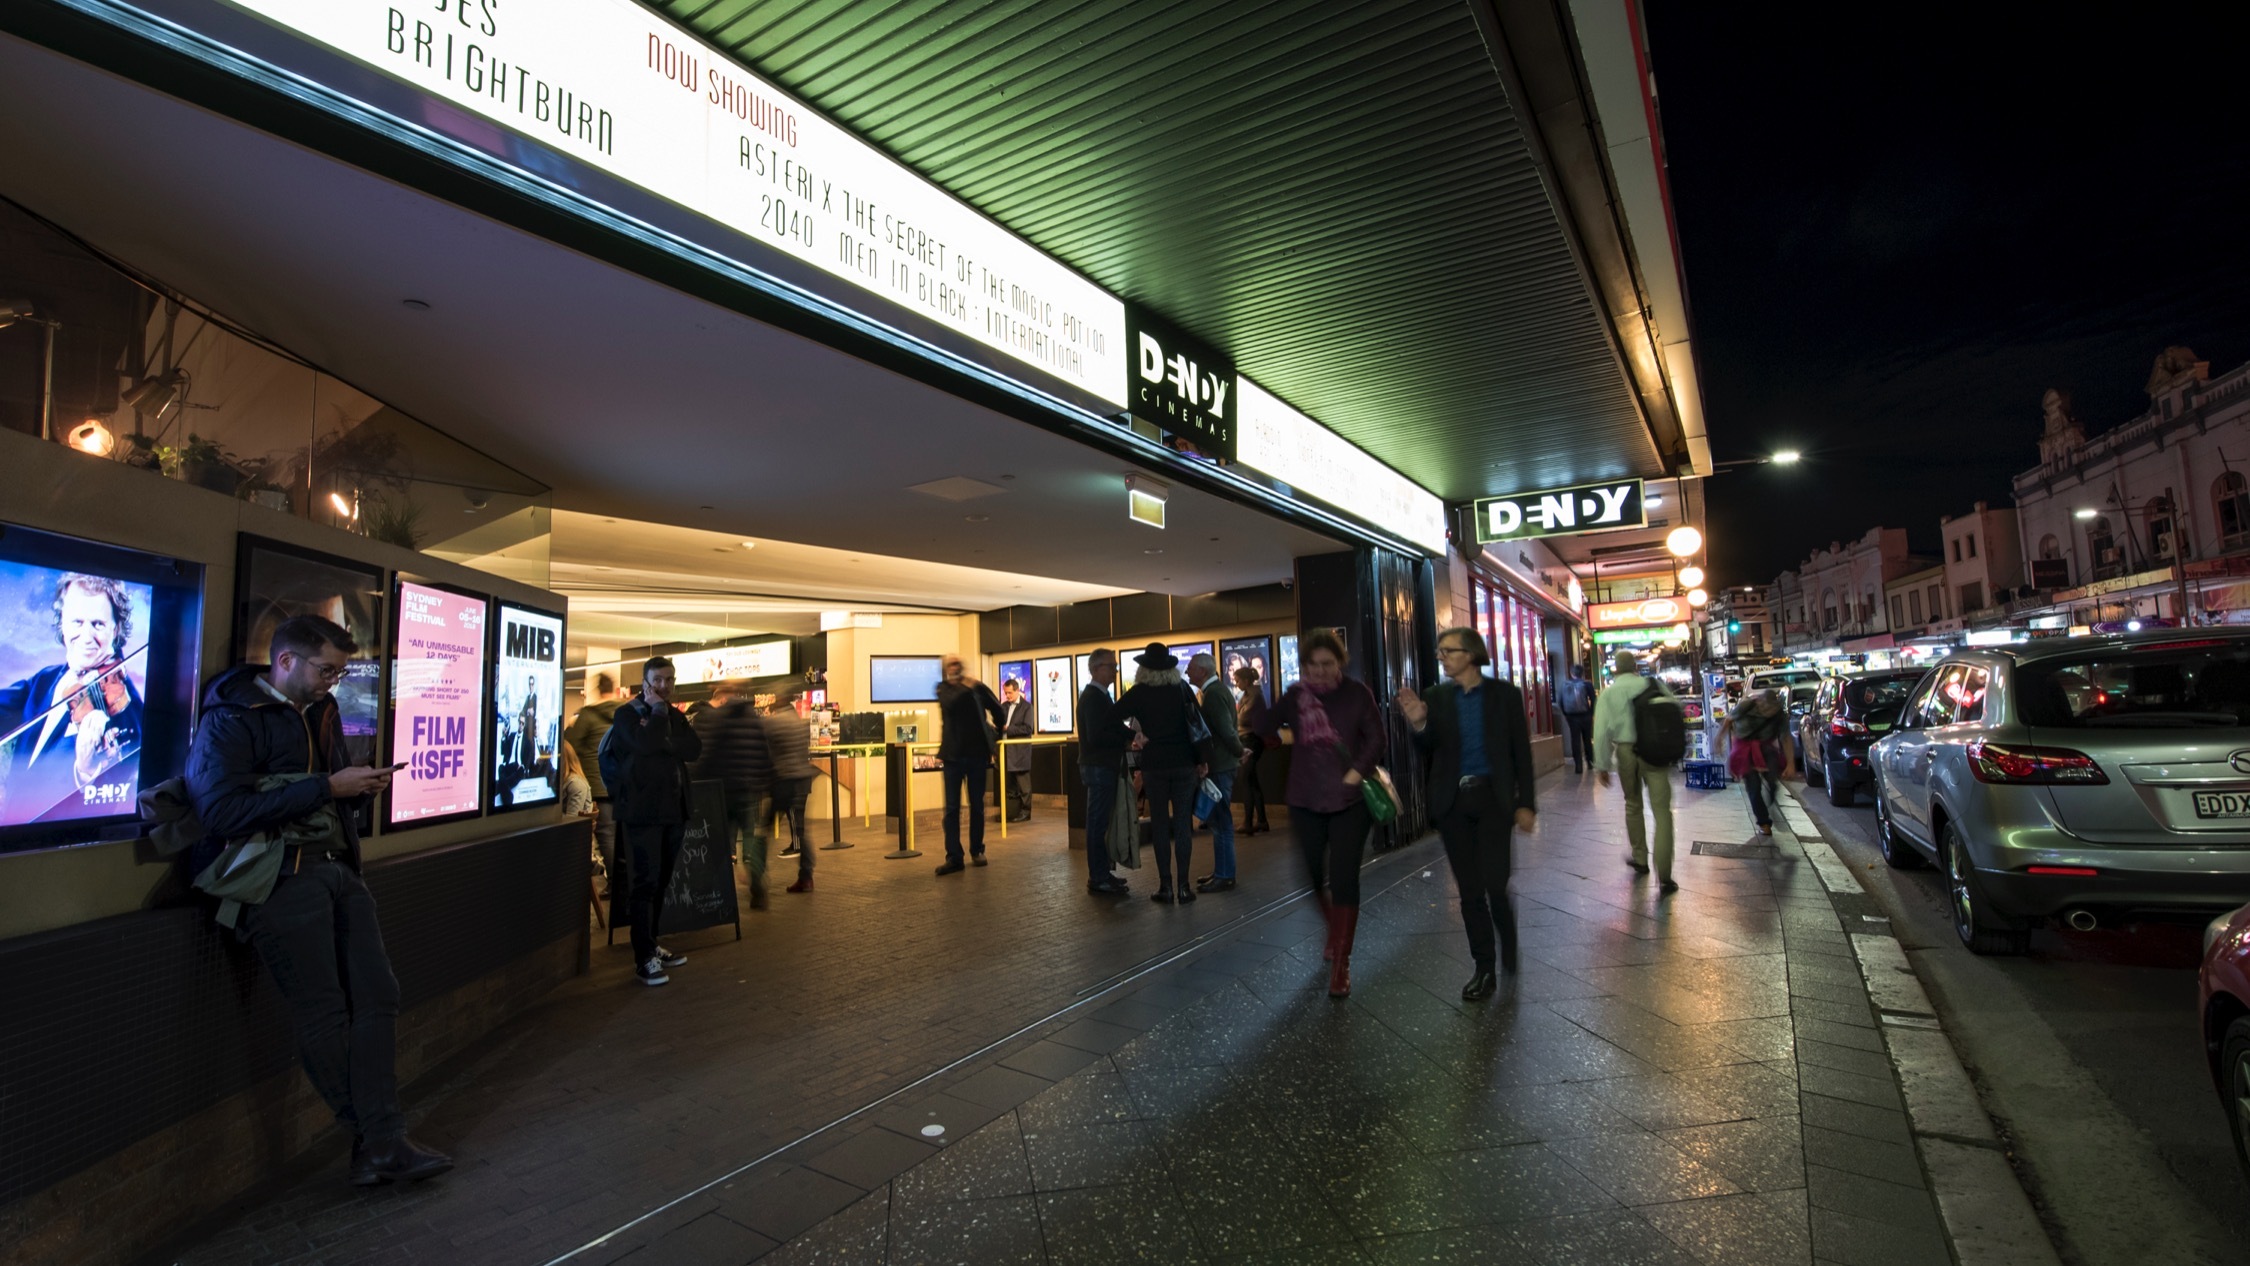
<point>1603,507</point>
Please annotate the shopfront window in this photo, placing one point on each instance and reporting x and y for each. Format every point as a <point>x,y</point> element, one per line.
<point>2230,499</point>
<point>2162,543</point>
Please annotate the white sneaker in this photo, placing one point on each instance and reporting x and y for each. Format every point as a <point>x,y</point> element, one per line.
<point>652,973</point>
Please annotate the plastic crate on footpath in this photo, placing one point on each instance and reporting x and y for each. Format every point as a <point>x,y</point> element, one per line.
<point>1705,775</point>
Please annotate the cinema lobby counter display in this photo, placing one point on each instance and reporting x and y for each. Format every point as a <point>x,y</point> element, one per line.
<point>167,1080</point>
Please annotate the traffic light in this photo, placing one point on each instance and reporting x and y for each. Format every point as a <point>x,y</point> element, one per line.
<point>1734,626</point>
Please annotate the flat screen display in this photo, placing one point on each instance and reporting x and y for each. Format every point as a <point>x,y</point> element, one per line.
<point>274,580</point>
<point>437,703</point>
<point>1254,653</point>
<point>903,678</point>
<point>527,682</point>
<point>1017,671</point>
<point>97,682</point>
<point>1285,664</point>
<point>1057,696</point>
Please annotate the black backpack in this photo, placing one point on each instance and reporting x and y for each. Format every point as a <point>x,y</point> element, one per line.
<point>1659,727</point>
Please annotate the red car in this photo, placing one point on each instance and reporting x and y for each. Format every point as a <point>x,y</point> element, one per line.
<point>2225,994</point>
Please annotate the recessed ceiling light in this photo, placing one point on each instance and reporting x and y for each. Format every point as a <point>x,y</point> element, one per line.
<point>707,507</point>
<point>418,305</point>
<point>749,545</point>
<point>1007,476</point>
<point>1152,551</point>
<point>978,518</point>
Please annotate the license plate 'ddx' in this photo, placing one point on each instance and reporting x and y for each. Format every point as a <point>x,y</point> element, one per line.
<point>2222,804</point>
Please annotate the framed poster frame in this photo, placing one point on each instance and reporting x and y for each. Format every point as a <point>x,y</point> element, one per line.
<point>1260,647</point>
<point>496,622</point>
<point>1069,701</point>
<point>265,594</point>
<point>390,706</point>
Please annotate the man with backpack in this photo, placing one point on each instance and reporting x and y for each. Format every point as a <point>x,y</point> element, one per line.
<point>1640,730</point>
<point>1576,702</point>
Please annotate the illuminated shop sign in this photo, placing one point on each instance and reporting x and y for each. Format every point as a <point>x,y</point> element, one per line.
<point>1637,615</point>
<point>1599,507</point>
<point>609,84</point>
<point>1672,635</point>
<point>1181,385</point>
<point>727,663</point>
<point>1279,441</point>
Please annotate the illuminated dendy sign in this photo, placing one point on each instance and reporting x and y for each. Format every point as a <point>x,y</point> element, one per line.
<point>611,85</point>
<point>1600,507</point>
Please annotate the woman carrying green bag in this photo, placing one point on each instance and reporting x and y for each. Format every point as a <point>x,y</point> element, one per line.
<point>1337,728</point>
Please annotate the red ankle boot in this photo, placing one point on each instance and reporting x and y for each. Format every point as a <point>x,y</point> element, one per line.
<point>1345,921</point>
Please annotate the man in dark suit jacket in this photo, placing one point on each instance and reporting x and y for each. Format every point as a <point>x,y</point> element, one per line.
<point>1472,733</point>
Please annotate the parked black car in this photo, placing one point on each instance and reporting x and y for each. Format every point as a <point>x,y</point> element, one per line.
<point>1846,716</point>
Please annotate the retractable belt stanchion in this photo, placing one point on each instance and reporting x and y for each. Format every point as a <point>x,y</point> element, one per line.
<point>835,753</point>
<point>906,803</point>
<point>1002,761</point>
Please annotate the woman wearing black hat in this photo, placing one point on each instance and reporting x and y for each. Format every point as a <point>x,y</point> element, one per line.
<point>1173,761</point>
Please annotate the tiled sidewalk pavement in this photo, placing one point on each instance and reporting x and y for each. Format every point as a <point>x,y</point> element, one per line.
<point>1683,1079</point>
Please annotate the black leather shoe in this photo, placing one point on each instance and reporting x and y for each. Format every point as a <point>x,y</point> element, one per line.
<point>395,1160</point>
<point>976,859</point>
<point>1187,894</point>
<point>1639,868</point>
<point>1480,986</point>
<point>1108,887</point>
<point>1208,884</point>
<point>1666,887</point>
<point>951,868</point>
<point>1162,895</point>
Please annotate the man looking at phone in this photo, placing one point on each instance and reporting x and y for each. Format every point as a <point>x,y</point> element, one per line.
<point>269,753</point>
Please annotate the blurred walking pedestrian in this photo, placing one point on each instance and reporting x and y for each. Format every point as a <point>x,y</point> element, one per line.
<point>734,753</point>
<point>1175,753</point>
<point>1217,703</point>
<point>1336,728</point>
<point>1471,730</point>
<point>789,747</point>
<point>585,735</point>
<point>1758,752</point>
<point>970,719</point>
<point>1576,700</point>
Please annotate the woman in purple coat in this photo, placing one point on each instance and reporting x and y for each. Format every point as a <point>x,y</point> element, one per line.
<point>1337,730</point>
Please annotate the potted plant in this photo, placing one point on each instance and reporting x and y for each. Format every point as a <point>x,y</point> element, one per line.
<point>206,464</point>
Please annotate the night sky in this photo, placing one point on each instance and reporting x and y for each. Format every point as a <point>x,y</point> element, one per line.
<point>1898,235</point>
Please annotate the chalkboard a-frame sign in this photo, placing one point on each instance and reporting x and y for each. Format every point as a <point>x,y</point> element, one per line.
<point>702,893</point>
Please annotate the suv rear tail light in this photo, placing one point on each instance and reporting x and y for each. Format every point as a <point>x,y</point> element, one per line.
<point>1845,727</point>
<point>2013,763</point>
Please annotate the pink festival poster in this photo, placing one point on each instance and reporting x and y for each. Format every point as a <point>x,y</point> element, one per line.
<point>437,703</point>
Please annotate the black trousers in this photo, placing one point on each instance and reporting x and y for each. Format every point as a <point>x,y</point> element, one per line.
<point>1019,792</point>
<point>1171,816</point>
<point>1579,741</point>
<point>960,774</point>
<point>1479,835</point>
<point>651,851</point>
<point>789,796</point>
<point>1333,844</point>
<point>318,937</point>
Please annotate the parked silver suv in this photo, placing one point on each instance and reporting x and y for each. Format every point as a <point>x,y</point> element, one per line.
<point>2083,778</point>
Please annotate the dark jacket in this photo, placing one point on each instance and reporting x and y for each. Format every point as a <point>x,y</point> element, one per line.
<point>1018,727</point>
<point>962,711</point>
<point>1163,709</point>
<point>1219,715</point>
<point>645,761</point>
<point>789,743</point>
<point>1507,746</point>
<point>586,732</point>
<point>1102,736</point>
<point>734,750</point>
<point>245,735</point>
<point>1316,771</point>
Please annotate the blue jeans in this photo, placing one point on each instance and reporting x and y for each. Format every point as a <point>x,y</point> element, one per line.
<point>1222,827</point>
<point>1101,804</point>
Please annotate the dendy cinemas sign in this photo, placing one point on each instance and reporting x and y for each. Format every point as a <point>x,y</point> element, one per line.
<point>1560,511</point>
<point>1181,385</point>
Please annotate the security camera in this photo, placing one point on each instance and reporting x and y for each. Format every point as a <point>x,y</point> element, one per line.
<point>1288,582</point>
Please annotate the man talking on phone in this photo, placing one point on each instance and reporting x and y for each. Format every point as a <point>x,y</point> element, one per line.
<point>269,756</point>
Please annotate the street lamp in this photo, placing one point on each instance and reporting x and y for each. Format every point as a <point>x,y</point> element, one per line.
<point>2084,512</point>
<point>1683,542</point>
<point>1788,457</point>
<point>1691,576</point>
<point>1696,597</point>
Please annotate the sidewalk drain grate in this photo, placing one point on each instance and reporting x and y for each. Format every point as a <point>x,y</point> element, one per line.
<point>1754,851</point>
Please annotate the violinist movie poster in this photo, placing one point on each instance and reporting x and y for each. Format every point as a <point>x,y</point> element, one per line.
<point>527,687</point>
<point>73,676</point>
